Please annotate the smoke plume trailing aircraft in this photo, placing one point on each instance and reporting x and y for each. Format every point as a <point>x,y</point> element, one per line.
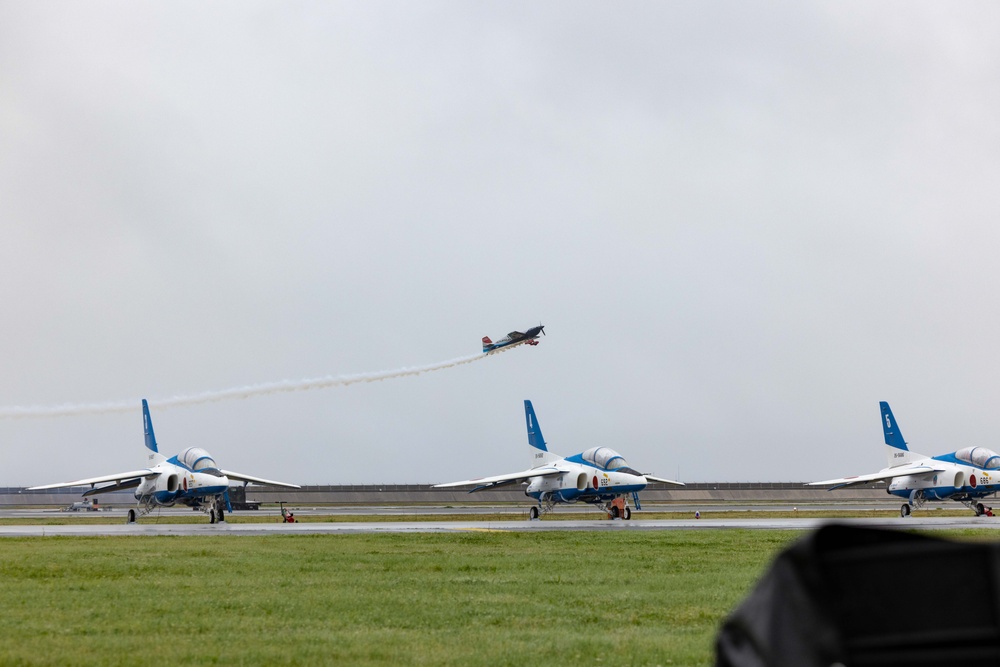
<point>597,476</point>
<point>965,476</point>
<point>514,338</point>
<point>190,478</point>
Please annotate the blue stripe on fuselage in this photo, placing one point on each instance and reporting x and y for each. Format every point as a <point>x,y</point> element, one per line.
<point>573,495</point>
<point>191,494</point>
<point>949,492</point>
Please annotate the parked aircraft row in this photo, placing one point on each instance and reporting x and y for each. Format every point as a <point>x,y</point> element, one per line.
<point>599,476</point>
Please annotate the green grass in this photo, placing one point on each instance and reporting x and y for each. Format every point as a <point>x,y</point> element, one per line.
<point>477,598</point>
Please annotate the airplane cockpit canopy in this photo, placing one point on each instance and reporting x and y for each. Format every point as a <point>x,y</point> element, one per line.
<point>198,459</point>
<point>605,458</point>
<point>980,457</point>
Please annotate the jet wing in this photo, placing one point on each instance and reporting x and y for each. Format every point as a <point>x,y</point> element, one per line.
<point>509,478</point>
<point>116,477</point>
<point>240,477</point>
<point>121,486</point>
<point>650,478</point>
<point>886,474</point>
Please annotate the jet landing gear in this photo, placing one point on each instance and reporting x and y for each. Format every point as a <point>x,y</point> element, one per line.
<point>216,511</point>
<point>982,509</point>
<point>145,507</point>
<point>979,508</point>
<point>904,511</point>
<point>618,509</point>
<point>544,506</point>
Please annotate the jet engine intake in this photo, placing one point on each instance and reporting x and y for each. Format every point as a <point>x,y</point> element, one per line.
<point>172,483</point>
<point>581,481</point>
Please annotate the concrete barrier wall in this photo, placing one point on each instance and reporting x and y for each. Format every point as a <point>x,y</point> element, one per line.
<point>389,494</point>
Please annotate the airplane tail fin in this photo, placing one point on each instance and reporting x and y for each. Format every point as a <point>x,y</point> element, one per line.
<point>896,449</point>
<point>487,344</point>
<point>147,427</point>
<point>540,454</point>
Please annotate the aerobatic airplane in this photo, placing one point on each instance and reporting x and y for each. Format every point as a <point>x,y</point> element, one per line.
<point>191,478</point>
<point>597,476</point>
<point>514,338</point>
<point>966,476</point>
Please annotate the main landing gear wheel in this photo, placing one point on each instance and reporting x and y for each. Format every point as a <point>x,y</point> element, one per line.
<point>131,517</point>
<point>211,516</point>
<point>904,511</point>
<point>628,514</point>
<point>533,514</point>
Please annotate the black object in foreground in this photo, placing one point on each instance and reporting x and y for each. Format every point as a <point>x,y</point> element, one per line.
<point>860,597</point>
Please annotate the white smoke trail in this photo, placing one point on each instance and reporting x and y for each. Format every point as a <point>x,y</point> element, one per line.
<point>248,391</point>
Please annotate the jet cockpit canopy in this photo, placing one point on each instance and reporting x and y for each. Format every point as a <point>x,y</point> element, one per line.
<point>198,460</point>
<point>980,457</point>
<point>605,458</point>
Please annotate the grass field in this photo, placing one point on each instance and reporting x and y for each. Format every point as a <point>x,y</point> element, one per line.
<point>477,598</point>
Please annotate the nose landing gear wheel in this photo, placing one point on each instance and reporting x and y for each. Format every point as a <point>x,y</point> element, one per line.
<point>211,516</point>
<point>980,510</point>
<point>615,513</point>
<point>533,514</point>
<point>904,511</point>
<point>222,515</point>
<point>628,514</point>
<point>131,517</point>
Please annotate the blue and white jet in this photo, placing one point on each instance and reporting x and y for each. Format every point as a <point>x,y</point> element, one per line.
<point>966,476</point>
<point>190,478</point>
<point>599,476</point>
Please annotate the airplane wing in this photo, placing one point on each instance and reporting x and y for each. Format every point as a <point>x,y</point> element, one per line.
<point>886,474</point>
<point>240,477</point>
<point>509,478</point>
<point>661,480</point>
<point>116,477</point>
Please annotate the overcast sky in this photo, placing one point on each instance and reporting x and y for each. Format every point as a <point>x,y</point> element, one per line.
<point>742,224</point>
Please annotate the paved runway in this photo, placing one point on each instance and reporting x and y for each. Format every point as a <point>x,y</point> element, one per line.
<point>151,528</point>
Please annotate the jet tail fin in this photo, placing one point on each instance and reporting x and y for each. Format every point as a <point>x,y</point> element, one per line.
<point>150,436</point>
<point>897,451</point>
<point>540,454</point>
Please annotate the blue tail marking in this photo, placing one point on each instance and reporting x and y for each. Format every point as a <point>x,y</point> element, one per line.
<point>535,438</point>
<point>893,437</point>
<point>147,427</point>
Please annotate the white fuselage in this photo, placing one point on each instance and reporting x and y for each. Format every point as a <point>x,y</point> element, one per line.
<point>956,481</point>
<point>178,484</point>
<point>581,482</point>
